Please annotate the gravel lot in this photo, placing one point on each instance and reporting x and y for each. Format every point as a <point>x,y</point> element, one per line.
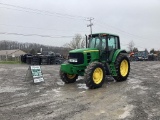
<point>138,98</point>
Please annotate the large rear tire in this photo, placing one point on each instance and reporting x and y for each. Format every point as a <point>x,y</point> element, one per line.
<point>94,75</point>
<point>122,65</point>
<point>67,78</point>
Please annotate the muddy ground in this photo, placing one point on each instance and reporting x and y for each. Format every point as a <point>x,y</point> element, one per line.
<point>138,98</point>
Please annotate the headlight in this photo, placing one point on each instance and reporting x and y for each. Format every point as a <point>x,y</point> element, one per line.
<point>73,60</point>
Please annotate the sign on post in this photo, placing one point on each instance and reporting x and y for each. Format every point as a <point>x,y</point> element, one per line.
<point>36,74</point>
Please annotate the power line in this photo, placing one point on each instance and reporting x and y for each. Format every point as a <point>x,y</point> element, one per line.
<point>43,11</point>
<point>38,28</point>
<point>36,35</point>
<point>120,30</point>
<point>39,13</point>
<point>127,35</point>
<point>67,15</point>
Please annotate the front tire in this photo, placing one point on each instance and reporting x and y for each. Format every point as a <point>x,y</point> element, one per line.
<point>94,75</point>
<point>67,78</point>
<point>122,65</point>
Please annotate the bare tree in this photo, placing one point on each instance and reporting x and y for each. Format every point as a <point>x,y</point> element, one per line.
<point>77,42</point>
<point>83,43</point>
<point>131,46</point>
<point>146,50</point>
<point>135,49</point>
<point>152,51</point>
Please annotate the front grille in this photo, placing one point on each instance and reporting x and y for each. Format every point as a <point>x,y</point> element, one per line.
<point>79,56</point>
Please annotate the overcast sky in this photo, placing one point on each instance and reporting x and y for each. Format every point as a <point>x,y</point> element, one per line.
<point>132,20</point>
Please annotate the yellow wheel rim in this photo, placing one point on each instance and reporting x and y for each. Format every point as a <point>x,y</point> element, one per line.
<point>71,76</point>
<point>124,68</point>
<point>97,75</point>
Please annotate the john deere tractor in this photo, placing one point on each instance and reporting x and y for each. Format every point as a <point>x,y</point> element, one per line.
<point>102,56</point>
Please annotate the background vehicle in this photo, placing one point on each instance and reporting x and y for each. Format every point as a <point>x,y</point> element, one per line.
<point>141,56</point>
<point>102,57</point>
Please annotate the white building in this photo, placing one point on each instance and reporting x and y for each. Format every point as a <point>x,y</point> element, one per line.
<point>11,54</point>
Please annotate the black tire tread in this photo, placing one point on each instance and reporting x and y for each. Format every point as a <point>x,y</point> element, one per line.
<point>119,59</point>
<point>65,79</point>
<point>88,75</point>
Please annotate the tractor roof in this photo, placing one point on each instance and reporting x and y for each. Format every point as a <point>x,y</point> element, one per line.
<point>103,34</point>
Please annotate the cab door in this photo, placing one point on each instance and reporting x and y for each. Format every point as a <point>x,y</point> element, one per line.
<point>113,45</point>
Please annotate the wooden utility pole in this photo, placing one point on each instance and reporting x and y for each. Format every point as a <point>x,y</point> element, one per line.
<point>90,25</point>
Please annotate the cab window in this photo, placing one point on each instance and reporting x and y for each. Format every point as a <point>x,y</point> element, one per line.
<point>112,43</point>
<point>103,43</point>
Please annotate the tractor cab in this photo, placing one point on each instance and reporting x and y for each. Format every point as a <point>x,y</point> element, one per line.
<point>107,44</point>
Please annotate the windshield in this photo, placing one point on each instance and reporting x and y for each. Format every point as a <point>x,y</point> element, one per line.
<point>97,42</point>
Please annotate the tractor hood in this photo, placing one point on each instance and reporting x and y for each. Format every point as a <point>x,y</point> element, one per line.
<point>84,50</point>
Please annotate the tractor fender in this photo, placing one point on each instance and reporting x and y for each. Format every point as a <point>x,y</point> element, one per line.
<point>117,52</point>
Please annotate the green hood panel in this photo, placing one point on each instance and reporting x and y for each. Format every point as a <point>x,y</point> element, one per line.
<point>84,50</point>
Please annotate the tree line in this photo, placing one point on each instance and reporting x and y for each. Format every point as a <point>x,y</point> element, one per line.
<point>32,48</point>
<point>132,48</point>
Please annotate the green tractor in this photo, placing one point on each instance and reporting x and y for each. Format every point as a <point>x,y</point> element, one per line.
<point>102,56</point>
